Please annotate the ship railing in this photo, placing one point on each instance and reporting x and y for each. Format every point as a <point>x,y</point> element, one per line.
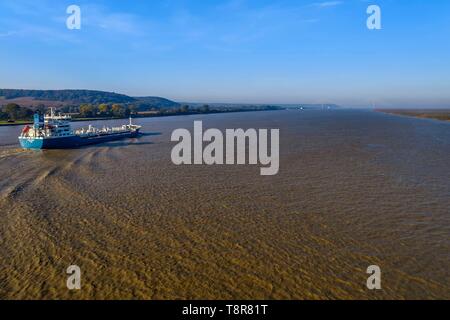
<point>59,117</point>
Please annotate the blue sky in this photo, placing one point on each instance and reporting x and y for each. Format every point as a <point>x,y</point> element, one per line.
<point>249,51</point>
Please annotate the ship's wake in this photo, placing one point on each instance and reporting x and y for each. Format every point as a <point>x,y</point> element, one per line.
<point>12,152</point>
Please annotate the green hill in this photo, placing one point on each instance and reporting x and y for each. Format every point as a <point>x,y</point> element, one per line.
<point>67,96</point>
<point>144,103</point>
<point>60,98</point>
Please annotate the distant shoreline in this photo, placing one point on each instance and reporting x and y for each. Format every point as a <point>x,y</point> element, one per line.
<point>156,115</point>
<point>435,114</point>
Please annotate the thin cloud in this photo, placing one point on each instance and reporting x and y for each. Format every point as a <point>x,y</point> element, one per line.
<point>25,20</point>
<point>327,4</point>
<point>118,22</point>
<point>7,34</point>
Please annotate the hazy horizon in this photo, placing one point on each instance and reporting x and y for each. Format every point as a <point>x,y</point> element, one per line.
<point>235,51</point>
<point>412,106</point>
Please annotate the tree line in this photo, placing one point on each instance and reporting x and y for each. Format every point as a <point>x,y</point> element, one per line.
<point>14,112</point>
<point>105,110</point>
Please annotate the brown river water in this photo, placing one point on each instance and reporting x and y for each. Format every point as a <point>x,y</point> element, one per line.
<point>355,188</point>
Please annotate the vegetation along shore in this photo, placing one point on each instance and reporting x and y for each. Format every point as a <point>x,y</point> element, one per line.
<point>18,106</point>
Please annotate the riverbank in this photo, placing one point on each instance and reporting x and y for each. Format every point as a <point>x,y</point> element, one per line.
<point>16,123</point>
<point>144,115</point>
<point>436,114</point>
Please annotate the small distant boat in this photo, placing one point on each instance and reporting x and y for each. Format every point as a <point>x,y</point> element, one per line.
<point>54,132</point>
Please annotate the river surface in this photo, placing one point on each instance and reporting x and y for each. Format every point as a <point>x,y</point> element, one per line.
<point>355,188</point>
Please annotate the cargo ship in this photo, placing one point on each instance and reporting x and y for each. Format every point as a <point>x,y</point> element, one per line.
<point>53,131</point>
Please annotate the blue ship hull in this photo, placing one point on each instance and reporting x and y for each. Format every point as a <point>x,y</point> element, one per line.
<point>72,141</point>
